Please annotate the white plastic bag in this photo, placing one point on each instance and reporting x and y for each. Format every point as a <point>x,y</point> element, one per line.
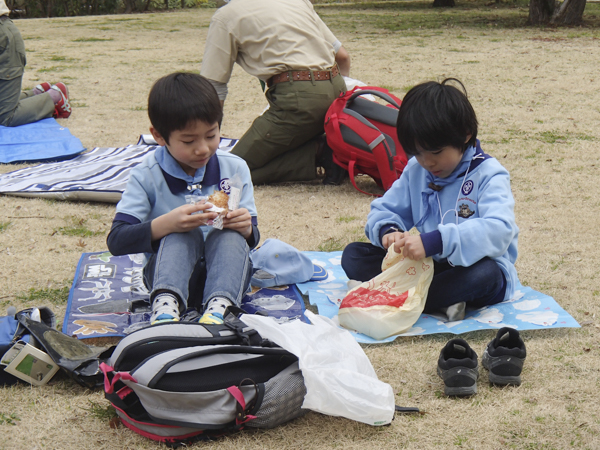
<point>339,378</point>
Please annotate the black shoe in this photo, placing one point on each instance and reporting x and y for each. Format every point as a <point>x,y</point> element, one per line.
<point>457,366</point>
<point>334,174</point>
<point>504,357</point>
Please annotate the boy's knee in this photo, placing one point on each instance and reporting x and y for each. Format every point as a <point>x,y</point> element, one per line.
<point>222,238</point>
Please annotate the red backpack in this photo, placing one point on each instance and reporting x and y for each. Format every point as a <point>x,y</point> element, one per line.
<point>362,134</point>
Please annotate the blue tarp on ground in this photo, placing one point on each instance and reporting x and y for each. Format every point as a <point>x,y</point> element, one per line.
<point>527,310</point>
<point>108,298</point>
<point>41,141</point>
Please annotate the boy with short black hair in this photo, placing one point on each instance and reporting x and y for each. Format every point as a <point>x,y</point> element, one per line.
<point>457,197</point>
<point>188,262</point>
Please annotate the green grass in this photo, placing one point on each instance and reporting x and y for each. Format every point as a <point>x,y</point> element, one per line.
<point>8,419</point>
<point>77,228</point>
<point>393,16</point>
<point>347,219</point>
<point>78,231</point>
<point>554,136</point>
<point>4,226</point>
<point>92,39</point>
<point>331,245</point>
<point>105,413</point>
<point>57,296</point>
<point>52,69</point>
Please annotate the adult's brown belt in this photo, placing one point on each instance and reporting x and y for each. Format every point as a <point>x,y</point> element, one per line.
<point>304,75</point>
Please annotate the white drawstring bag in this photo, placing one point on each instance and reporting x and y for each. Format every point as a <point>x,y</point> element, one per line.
<point>391,302</point>
<point>339,378</point>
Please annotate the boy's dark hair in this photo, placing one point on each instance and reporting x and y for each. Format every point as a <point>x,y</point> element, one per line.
<point>179,98</point>
<point>435,115</point>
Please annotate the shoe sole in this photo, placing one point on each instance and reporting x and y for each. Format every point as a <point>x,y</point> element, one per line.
<point>492,363</point>
<point>158,322</point>
<point>462,376</point>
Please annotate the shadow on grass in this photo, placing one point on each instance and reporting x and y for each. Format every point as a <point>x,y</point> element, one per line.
<point>412,15</point>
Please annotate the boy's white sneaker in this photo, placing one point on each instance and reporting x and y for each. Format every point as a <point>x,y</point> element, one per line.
<point>214,311</point>
<point>165,308</point>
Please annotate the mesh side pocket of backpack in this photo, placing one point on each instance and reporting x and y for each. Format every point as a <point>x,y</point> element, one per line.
<point>283,398</point>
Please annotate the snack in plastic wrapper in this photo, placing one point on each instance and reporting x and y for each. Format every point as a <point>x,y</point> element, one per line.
<point>222,201</point>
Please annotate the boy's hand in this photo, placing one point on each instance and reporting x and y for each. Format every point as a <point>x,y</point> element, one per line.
<point>410,246</point>
<point>391,238</point>
<point>181,219</point>
<point>239,220</point>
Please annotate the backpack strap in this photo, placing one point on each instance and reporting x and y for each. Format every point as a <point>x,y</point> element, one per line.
<point>109,385</point>
<point>373,90</point>
<point>352,173</point>
<point>242,416</point>
<point>378,146</point>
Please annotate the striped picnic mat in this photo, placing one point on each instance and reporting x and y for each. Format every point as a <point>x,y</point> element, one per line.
<point>98,175</point>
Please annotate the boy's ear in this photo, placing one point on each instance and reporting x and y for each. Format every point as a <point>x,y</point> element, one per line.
<point>157,137</point>
<point>469,136</point>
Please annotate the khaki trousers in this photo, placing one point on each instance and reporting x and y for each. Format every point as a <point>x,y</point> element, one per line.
<point>16,107</point>
<point>281,144</point>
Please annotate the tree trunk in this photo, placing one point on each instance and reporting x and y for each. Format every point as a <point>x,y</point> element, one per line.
<point>443,3</point>
<point>540,11</point>
<point>570,12</point>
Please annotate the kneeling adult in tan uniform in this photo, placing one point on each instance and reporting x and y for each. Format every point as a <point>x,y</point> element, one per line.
<point>287,46</point>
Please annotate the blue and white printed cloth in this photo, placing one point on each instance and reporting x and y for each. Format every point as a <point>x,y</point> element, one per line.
<point>527,310</point>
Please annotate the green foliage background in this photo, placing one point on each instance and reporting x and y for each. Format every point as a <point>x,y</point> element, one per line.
<point>65,8</point>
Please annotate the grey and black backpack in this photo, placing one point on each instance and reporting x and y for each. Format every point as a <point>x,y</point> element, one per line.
<point>183,382</point>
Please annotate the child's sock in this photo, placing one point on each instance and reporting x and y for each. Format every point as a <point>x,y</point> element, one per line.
<point>353,283</point>
<point>214,311</point>
<point>455,312</point>
<point>54,95</point>
<point>165,308</point>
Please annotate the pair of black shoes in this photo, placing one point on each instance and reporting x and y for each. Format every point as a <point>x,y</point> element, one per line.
<point>503,358</point>
<point>334,174</point>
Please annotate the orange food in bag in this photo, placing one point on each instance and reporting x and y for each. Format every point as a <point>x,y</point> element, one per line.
<point>391,302</point>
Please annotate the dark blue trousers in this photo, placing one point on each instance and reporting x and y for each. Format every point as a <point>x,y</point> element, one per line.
<point>478,285</point>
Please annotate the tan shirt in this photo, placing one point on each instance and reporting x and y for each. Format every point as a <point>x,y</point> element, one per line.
<point>3,8</point>
<point>267,37</point>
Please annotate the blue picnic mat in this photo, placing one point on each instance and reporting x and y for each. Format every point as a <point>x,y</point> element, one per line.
<point>45,140</point>
<point>108,298</point>
<point>527,310</point>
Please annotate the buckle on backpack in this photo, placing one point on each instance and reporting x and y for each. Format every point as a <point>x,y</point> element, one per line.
<point>241,409</point>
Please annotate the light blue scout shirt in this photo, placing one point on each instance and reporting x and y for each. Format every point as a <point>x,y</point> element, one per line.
<point>158,185</point>
<point>477,210</point>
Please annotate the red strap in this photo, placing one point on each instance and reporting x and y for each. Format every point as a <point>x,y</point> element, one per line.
<point>239,396</point>
<point>109,387</point>
<point>335,123</point>
<point>353,175</point>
